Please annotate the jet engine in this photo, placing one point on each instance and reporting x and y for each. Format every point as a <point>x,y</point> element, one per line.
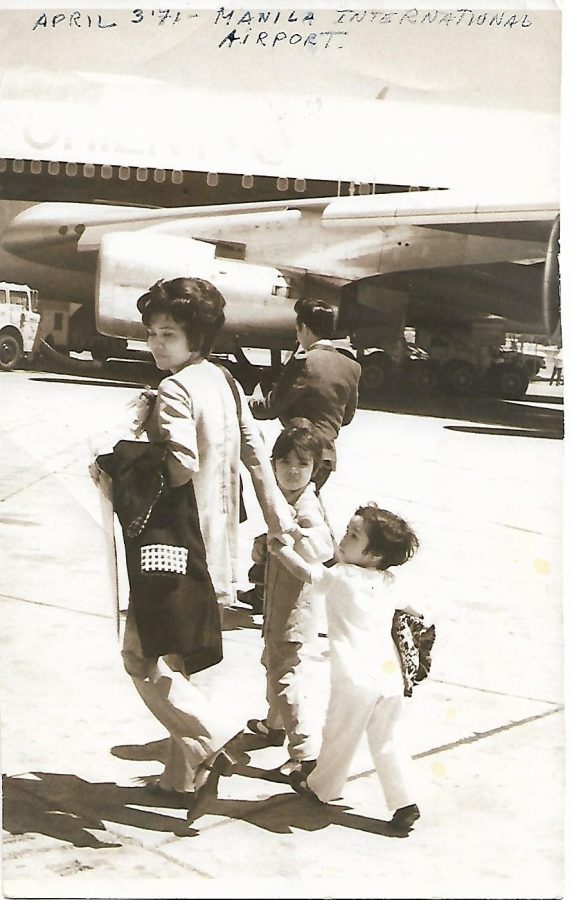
<point>259,309</point>
<point>551,286</point>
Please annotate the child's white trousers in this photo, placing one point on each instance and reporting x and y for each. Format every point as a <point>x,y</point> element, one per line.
<point>352,710</point>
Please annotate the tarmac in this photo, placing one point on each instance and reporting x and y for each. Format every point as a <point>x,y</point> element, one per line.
<point>481,482</point>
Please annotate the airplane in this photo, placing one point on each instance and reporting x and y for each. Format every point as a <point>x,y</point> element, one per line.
<point>469,255</point>
<point>434,260</point>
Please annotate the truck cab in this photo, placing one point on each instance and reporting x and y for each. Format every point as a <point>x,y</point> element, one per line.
<point>19,323</point>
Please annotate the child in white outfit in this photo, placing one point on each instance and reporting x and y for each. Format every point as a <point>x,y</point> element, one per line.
<point>366,681</point>
<point>289,614</point>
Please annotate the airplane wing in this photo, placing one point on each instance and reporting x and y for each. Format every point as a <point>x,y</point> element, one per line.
<point>430,255</point>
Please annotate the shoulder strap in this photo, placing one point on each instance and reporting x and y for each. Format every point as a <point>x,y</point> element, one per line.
<point>232,385</point>
<point>242,515</point>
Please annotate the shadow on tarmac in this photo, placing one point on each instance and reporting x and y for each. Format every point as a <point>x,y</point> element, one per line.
<point>68,809</point>
<point>238,619</point>
<point>93,382</point>
<point>515,418</point>
<point>153,750</point>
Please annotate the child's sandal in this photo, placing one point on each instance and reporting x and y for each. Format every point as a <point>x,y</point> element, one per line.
<point>275,737</point>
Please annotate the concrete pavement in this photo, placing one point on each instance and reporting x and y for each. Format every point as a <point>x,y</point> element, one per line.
<point>481,481</point>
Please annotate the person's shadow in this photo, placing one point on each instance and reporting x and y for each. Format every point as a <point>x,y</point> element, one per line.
<point>68,808</point>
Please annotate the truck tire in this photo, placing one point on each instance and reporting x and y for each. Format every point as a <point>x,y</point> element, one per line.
<point>10,351</point>
<point>510,382</point>
<point>459,376</point>
<point>424,378</point>
<point>374,374</point>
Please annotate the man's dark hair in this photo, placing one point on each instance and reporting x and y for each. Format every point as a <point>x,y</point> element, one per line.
<point>320,317</point>
<point>389,536</point>
<point>301,436</point>
<point>195,304</point>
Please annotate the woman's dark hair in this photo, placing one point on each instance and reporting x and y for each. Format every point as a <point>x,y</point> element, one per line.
<point>319,317</point>
<point>301,436</point>
<point>389,536</point>
<point>193,303</point>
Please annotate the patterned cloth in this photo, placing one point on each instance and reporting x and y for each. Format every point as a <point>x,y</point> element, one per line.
<point>414,643</point>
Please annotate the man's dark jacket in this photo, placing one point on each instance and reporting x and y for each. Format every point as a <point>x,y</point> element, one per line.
<point>321,387</point>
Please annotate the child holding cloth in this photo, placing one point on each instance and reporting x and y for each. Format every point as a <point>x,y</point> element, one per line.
<point>366,681</point>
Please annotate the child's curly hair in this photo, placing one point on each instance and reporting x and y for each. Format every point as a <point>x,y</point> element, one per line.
<point>389,536</point>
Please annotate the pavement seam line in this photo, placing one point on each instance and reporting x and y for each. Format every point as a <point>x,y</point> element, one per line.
<point>479,735</point>
<point>484,690</point>
<point>81,612</point>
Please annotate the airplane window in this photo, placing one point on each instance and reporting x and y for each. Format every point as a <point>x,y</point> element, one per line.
<point>18,166</point>
<point>142,174</point>
<point>176,176</point>
<point>106,172</point>
<point>53,168</point>
<point>212,179</point>
<point>364,187</point>
<point>3,165</point>
<point>159,175</point>
<point>300,185</point>
<point>247,181</point>
<point>282,184</point>
<point>71,169</point>
<point>63,229</point>
<point>124,173</point>
<point>36,166</point>
<point>88,170</point>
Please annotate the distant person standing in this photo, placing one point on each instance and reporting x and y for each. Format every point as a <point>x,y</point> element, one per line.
<point>318,383</point>
<point>557,376</point>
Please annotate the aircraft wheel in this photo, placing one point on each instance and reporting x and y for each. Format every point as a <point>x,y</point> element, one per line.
<point>510,382</point>
<point>374,374</point>
<point>10,352</point>
<point>459,376</point>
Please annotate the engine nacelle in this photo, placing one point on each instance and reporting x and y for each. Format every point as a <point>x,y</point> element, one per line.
<point>551,286</point>
<point>259,311</point>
